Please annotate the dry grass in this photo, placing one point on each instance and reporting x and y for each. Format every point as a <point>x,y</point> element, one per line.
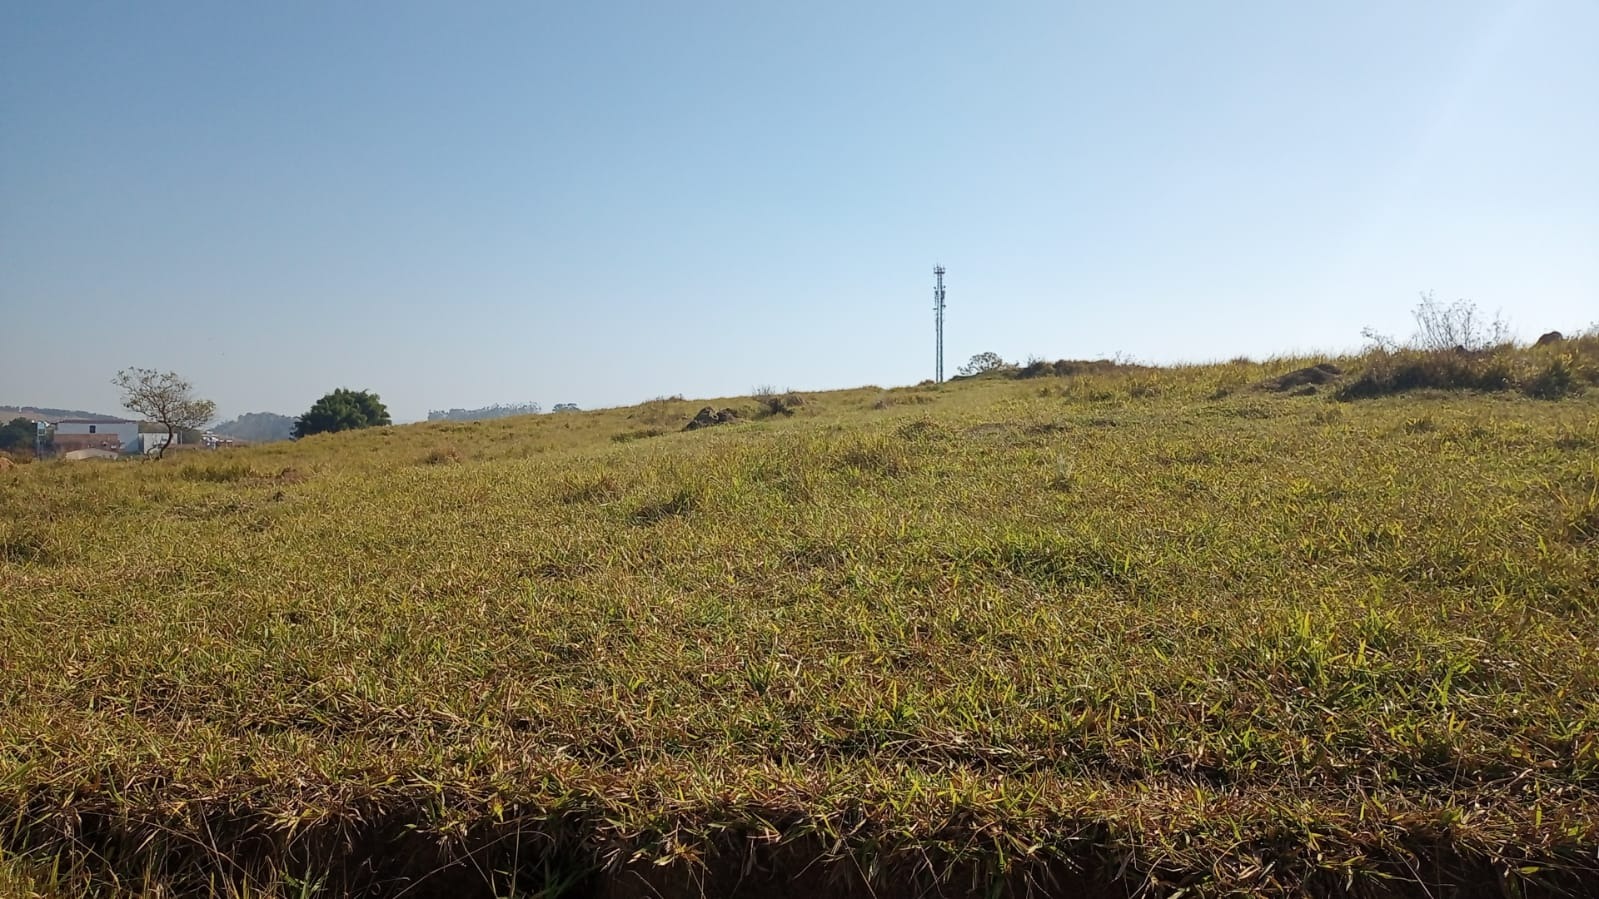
<point>1552,372</point>
<point>1113,632</point>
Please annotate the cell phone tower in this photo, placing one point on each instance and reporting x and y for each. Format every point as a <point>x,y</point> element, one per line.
<point>938,320</point>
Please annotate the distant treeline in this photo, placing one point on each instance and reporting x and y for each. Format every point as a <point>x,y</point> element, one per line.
<point>498,410</point>
<point>258,427</point>
<point>49,414</point>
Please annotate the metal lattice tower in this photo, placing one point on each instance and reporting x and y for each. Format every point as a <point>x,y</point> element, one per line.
<point>938,320</point>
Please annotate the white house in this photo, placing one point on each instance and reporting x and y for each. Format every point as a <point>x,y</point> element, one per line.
<point>75,434</point>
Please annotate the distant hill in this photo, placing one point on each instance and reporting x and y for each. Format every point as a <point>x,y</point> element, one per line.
<point>53,415</point>
<point>498,410</point>
<point>258,427</point>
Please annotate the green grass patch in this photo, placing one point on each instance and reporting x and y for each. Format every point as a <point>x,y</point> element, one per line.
<point>1101,632</point>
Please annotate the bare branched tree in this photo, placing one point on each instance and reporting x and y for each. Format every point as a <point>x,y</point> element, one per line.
<point>1441,327</point>
<point>1460,324</point>
<point>165,398</point>
<point>982,362</point>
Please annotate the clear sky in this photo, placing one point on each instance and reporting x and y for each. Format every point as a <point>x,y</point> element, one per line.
<point>456,204</point>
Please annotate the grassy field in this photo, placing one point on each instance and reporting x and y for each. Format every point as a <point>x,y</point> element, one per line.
<point>1133,632</point>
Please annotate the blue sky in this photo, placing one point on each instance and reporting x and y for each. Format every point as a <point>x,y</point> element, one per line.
<point>462,204</point>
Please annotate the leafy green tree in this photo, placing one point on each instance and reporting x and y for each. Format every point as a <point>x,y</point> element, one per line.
<point>17,434</point>
<point>342,410</point>
<point>165,398</point>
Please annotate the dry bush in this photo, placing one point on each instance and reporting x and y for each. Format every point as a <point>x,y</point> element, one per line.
<point>1456,347</point>
<point>442,455</point>
<point>1557,379</point>
<point>1399,371</point>
<point>774,403</point>
<point>1065,368</point>
<point>1456,326</point>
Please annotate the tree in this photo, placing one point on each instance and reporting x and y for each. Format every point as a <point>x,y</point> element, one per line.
<point>342,410</point>
<point>982,362</point>
<point>18,434</point>
<point>487,413</point>
<point>258,427</point>
<point>164,398</point>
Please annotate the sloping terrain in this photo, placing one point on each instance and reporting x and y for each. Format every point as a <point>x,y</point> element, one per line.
<point>1108,634</point>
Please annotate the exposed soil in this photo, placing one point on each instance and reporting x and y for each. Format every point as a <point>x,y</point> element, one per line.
<point>384,859</point>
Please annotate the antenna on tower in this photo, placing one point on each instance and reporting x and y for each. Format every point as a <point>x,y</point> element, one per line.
<point>938,320</point>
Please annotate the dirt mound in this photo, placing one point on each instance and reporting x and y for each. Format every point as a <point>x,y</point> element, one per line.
<point>1312,377</point>
<point>1551,337</point>
<point>708,416</point>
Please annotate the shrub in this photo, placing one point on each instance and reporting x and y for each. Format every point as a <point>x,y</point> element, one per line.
<point>342,410</point>
<point>1555,380</point>
<point>1036,368</point>
<point>1404,370</point>
<point>1454,347</point>
<point>1458,326</point>
<point>980,363</point>
<point>661,410</point>
<point>1065,368</point>
<point>774,403</point>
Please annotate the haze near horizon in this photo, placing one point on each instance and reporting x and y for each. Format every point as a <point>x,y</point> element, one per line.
<point>606,202</point>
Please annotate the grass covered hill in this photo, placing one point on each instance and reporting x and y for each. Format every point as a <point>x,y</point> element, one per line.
<point>1123,631</point>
